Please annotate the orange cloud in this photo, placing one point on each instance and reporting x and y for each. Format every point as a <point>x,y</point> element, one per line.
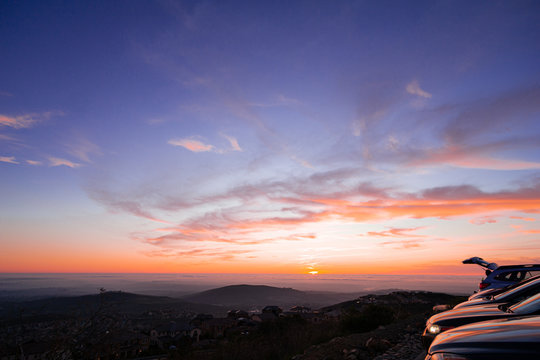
<point>522,218</point>
<point>395,233</point>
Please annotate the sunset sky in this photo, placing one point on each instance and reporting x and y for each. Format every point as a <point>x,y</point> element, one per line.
<point>338,137</point>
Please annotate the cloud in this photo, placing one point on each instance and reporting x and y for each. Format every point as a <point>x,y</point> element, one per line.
<point>483,220</point>
<point>403,244</point>
<point>522,218</point>
<point>33,162</point>
<point>258,213</point>
<point>191,144</point>
<point>414,88</point>
<point>280,100</point>
<point>116,202</point>
<point>54,161</point>
<point>471,157</point>
<point>194,145</point>
<point>501,114</point>
<point>5,93</point>
<point>396,232</point>
<point>8,159</point>
<point>82,148</point>
<point>7,137</point>
<point>233,142</point>
<point>218,253</point>
<point>26,120</point>
<point>530,231</point>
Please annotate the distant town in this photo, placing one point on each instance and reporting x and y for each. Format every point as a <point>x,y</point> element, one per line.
<point>119,325</point>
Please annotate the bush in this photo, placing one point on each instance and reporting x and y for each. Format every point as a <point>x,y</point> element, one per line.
<point>369,318</point>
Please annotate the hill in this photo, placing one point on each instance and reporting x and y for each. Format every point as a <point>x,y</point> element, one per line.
<point>258,296</point>
<point>110,302</point>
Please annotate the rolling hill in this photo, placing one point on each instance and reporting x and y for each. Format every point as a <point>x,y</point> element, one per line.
<point>258,296</point>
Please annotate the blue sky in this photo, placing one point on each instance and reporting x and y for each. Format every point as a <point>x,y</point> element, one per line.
<point>310,136</point>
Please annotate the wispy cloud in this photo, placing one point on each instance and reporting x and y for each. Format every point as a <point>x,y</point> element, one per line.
<point>83,148</point>
<point>492,116</point>
<point>471,157</point>
<point>118,203</point>
<point>7,137</point>
<point>191,144</point>
<point>8,159</point>
<point>522,218</point>
<point>5,93</point>
<point>54,161</point>
<point>33,162</point>
<point>234,143</point>
<point>403,244</point>
<point>280,100</point>
<point>483,220</point>
<point>414,88</point>
<point>396,232</point>
<point>26,120</point>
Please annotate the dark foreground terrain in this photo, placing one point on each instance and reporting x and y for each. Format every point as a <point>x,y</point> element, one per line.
<point>118,325</point>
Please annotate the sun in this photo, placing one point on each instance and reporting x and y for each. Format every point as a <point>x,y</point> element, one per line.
<point>314,272</point>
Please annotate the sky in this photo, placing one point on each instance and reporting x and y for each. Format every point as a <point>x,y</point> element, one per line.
<point>276,137</point>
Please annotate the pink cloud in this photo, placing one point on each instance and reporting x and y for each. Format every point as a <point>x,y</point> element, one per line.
<point>471,158</point>
<point>8,159</point>
<point>414,88</point>
<point>522,218</point>
<point>403,244</point>
<point>54,161</point>
<point>234,143</point>
<point>26,120</point>
<point>396,233</point>
<point>483,221</point>
<point>191,145</point>
<point>33,162</point>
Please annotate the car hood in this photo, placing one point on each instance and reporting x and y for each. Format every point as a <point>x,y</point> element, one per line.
<point>520,330</point>
<point>470,311</point>
<point>487,293</point>
<point>475,302</point>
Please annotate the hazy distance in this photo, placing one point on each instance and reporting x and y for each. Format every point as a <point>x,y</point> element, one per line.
<point>45,285</point>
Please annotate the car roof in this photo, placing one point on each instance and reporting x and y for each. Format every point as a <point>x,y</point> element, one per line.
<point>493,266</point>
<point>504,267</point>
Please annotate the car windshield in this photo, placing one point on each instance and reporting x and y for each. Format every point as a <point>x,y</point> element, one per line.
<point>523,287</point>
<point>527,306</point>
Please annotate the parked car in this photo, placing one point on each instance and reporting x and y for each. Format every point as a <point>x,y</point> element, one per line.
<point>507,339</point>
<point>496,291</point>
<point>514,295</point>
<point>450,319</point>
<point>501,276</point>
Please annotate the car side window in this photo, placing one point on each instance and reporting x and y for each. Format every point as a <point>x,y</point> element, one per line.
<point>532,273</point>
<point>504,276</point>
<point>512,276</point>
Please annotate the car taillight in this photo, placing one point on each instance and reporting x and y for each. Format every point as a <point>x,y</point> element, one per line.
<point>483,285</point>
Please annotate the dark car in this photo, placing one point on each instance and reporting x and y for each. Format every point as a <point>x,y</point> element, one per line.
<point>496,291</point>
<point>501,276</point>
<point>507,339</point>
<point>453,318</point>
<point>518,293</point>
